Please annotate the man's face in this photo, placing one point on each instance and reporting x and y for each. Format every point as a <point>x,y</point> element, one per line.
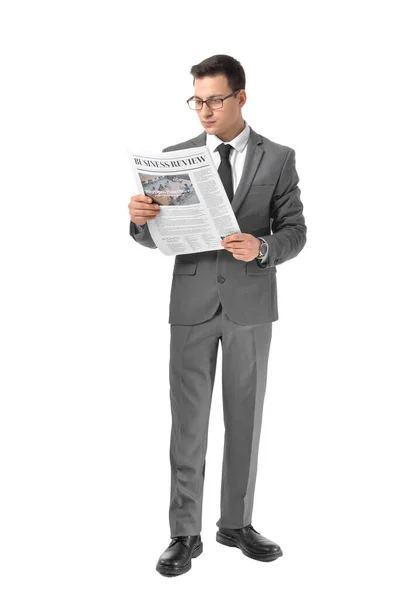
<point>219,121</point>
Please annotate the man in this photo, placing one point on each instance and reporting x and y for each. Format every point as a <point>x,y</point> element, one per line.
<point>228,295</point>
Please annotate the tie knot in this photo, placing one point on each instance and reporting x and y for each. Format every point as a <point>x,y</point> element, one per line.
<point>224,150</point>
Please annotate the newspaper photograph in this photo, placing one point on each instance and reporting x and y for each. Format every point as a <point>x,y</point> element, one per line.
<point>195,212</point>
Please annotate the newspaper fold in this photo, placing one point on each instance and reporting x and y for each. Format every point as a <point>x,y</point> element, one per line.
<point>195,212</point>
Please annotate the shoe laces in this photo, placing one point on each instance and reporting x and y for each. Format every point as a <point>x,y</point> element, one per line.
<point>180,538</point>
<point>251,527</point>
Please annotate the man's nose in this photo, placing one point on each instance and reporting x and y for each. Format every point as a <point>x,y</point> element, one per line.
<point>206,111</point>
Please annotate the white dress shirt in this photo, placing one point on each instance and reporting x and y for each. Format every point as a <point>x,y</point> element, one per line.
<point>236,158</point>
<point>237,155</point>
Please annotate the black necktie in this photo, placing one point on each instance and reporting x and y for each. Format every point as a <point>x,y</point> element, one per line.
<point>225,169</point>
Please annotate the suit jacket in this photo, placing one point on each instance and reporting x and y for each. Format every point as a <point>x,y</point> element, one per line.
<point>266,204</point>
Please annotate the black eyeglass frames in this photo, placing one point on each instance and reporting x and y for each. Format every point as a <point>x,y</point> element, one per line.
<point>212,103</point>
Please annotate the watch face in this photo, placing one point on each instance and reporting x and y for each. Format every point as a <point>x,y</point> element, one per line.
<point>263,249</point>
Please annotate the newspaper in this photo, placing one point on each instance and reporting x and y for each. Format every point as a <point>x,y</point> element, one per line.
<point>195,212</point>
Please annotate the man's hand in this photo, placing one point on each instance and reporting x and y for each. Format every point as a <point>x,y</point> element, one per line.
<point>142,209</point>
<point>243,246</point>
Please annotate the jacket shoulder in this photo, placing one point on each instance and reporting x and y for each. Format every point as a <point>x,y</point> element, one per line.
<point>184,145</point>
<point>279,149</point>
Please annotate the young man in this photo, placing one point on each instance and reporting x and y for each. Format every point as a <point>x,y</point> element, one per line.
<point>229,296</point>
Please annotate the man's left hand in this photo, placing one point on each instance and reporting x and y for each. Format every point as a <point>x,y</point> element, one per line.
<point>243,246</point>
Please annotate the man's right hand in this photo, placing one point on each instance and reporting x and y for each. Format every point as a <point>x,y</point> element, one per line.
<point>142,209</point>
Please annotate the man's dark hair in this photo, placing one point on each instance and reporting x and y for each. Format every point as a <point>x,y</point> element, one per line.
<point>221,64</point>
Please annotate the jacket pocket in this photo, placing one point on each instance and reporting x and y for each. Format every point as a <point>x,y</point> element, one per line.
<point>184,268</point>
<point>265,188</point>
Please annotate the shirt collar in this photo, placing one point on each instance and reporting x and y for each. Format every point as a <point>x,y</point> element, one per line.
<point>239,142</point>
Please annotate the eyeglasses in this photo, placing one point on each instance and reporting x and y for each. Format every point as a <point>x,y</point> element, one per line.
<point>212,103</point>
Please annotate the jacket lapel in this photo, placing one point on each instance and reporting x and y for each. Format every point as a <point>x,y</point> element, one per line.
<point>253,157</point>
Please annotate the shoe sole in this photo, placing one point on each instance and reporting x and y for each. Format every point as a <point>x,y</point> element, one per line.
<point>228,541</point>
<point>174,571</point>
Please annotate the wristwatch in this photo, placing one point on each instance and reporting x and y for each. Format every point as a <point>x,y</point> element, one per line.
<point>263,249</point>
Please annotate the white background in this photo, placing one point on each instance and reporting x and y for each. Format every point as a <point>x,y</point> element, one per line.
<point>85,413</point>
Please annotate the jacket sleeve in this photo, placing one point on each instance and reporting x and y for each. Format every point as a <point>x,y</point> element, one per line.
<point>141,234</point>
<point>288,226</point>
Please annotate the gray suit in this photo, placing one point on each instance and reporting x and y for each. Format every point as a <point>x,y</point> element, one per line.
<point>214,297</point>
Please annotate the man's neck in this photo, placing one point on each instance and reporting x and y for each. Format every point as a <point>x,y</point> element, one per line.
<point>228,137</point>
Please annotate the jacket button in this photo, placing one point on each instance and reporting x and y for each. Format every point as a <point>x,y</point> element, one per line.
<point>220,279</point>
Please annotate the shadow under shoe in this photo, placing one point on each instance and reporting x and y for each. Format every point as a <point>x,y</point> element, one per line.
<point>177,558</point>
<point>250,542</point>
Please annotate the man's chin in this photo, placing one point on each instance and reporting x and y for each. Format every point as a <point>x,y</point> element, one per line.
<point>210,127</point>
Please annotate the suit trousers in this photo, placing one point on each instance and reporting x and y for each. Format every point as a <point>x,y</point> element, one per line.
<point>193,358</point>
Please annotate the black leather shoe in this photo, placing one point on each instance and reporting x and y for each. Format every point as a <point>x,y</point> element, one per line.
<point>250,542</point>
<point>177,558</point>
